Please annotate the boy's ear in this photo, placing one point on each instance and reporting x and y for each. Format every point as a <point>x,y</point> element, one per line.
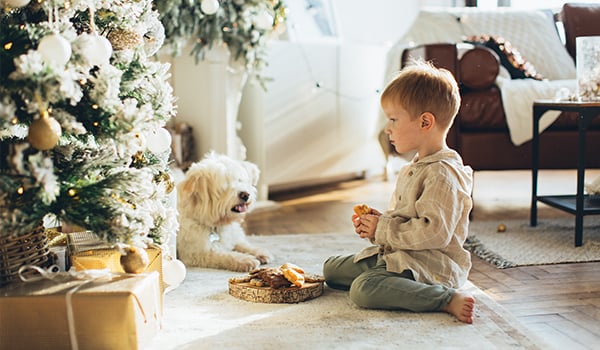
<point>427,120</point>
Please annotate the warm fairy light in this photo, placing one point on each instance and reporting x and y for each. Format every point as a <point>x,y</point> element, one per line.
<point>95,106</point>
<point>82,82</point>
<point>8,46</point>
<point>14,121</point>
<point>71,192</point>
<point>95,123</point>
<point>20,190</point>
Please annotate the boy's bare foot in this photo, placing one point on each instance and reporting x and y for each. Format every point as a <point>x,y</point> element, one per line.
<point>461,306</point>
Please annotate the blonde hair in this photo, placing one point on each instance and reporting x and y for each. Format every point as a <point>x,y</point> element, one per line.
<point>420,87</point>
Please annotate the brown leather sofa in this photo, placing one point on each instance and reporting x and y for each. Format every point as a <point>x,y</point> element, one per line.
<point>480,132</point>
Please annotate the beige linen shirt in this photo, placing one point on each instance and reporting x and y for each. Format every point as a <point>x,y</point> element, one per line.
<point>428,220</point>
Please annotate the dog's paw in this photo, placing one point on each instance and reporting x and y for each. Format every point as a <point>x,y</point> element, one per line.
<point>246,264</point>
<point>264,258</point>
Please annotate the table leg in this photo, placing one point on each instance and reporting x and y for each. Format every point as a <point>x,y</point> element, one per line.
<point>535,148</point>
<point>581,124</point>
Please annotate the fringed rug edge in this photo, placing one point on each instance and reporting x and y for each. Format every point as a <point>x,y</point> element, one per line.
<point>475,246</point>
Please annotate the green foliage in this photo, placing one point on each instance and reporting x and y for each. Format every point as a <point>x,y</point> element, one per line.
<point>238,24</point>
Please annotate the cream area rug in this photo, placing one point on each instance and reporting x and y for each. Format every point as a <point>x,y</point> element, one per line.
<point>200,313</point>
<point>552,241</point>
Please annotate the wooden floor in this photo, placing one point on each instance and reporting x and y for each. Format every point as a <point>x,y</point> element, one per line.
<point>559,303</point>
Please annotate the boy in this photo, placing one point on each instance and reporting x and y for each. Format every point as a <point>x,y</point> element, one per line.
<point>417,260</point>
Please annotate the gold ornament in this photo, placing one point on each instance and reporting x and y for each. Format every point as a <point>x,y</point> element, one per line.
<point>501,228</point>
<point>135,260</point>
<point>44,132</point>
<point>123,39</point>
<point>168,181</point>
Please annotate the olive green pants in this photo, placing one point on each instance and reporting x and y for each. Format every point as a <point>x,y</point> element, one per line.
<point>372,287</point>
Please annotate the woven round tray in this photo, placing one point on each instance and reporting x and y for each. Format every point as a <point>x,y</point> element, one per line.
<point>268,295</point>
<point>27,249</point>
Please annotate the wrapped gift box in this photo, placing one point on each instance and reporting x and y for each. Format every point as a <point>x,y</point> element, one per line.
<point>123,313</point>
<point>87,252</point>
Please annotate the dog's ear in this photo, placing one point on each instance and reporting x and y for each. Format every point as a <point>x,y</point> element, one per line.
<point>188,185</point>
<point>253,171</point>
<point>192,188</point>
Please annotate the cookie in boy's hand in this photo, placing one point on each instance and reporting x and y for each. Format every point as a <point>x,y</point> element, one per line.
<point>362,209</point>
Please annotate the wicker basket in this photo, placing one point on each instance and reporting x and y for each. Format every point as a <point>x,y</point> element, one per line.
<point>28,249</point>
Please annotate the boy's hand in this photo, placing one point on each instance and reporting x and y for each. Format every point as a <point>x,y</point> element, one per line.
<point>365,225</point>
<point>355,220</point>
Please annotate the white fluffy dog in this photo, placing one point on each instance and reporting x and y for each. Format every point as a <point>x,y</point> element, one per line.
<point>212,202</point>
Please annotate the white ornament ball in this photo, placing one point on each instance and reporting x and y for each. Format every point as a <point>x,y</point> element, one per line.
<point>55,48</point>
<point>209,7</point>
<point>17,3</point>
<point>159,140</point>
<point>263,21</point>
<point>174,272</point>
<point>106,49</point>
<point>95,48</point>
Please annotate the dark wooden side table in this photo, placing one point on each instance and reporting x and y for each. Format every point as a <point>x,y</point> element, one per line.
<point>578,204</point>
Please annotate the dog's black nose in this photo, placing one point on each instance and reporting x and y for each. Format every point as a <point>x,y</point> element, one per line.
<point>244,196</point>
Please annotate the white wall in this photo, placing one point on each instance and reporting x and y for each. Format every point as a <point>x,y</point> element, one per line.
<point>321,112</point>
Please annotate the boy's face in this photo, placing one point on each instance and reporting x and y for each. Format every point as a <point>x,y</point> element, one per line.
<point>404,132</point>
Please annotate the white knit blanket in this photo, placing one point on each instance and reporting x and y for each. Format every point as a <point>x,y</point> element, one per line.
<point>518,96</point>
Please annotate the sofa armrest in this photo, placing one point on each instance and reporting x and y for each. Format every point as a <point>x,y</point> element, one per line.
<point>474,67</point>
<point>579,20</point>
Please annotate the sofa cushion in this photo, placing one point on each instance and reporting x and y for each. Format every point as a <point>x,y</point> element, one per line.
<point>441,55</point>
<point>579,20</point>
<point>481,110</point>
<point>510,57</point>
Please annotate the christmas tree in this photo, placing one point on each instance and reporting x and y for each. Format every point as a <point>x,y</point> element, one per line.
<point>83,106</point>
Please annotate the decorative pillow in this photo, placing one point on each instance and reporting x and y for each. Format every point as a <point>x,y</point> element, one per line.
<point>533,32</point>
<point>510,57</point>
<point>478,66</point>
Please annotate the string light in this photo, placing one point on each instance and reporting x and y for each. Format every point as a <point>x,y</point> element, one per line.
<point>8,46</point>
<point>320,86</point>
<point>20,190</point>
